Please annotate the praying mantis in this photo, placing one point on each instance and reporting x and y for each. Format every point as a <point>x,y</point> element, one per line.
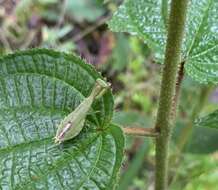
<point>73,123</point>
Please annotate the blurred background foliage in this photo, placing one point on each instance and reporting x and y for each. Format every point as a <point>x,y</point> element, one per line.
<point>80,27</point>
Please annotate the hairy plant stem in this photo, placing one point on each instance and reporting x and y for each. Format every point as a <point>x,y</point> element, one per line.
<point>176,27</point>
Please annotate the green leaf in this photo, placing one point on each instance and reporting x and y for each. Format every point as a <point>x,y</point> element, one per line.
<point>202,41</point>
<point>38,88</point>
<point>210,121</point>
<point>147,20</point>
<point>144,19</point>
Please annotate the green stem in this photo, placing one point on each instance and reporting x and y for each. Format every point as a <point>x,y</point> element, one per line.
<point>172,59</point>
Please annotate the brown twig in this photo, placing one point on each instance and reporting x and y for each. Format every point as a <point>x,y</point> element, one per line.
<point>139,131</point>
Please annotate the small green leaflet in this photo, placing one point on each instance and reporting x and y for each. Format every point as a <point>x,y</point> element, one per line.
<point>73,123</point>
